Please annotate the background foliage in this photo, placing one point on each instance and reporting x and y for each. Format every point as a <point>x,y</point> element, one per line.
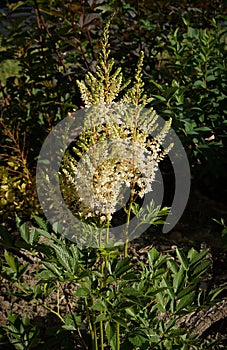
<point>47,46</point>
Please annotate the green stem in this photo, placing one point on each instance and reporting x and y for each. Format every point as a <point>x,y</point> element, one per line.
<point>104,267</point>
<point>95,339</point>
<point>101,336</point>
<point>107,234</point>
<point>91,326</point>
<point>117,336</point>
<point>54,312</point>
<point>126,229</point>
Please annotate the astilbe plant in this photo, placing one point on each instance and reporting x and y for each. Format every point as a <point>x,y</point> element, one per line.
<point>118,120</point>
<point>110,303</point>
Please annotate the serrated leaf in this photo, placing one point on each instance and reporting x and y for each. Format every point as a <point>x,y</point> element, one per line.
<point>53,268</point>
<point>22,269</point>
<point>50,237</point>
<point>14,6</point>
<point>192,253</point>
<point>57,227</point>
<point>63,257</point>
<point>41,223</point>
<point>34,236</point>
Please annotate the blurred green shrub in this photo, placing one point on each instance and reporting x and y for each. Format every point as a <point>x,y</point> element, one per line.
<point>194,72</point>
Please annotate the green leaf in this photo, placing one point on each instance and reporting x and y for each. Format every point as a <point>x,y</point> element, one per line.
<point>104,8</point>
<point>26,320</point>
<point>197,257</point>
<point>182,258</point>
<point>161,260</point>
<point>169,289</point>
<point>178,279</point>
<point>153,255</point>
<point>14,6</point>
<point>41,223</point>
<point>101,317</point>
<point>138,338</point>
<point>130,311</point>
<point>11,260</point>
<point>53,268</point>
<point>199,83</point>
<point>22,269</point>
<point>153,336</point>
<point>135,208</point>
<point>46,275</point>
<point>69,327</point>
<point>131,291</point>
<point>120,321</point>
<point>122,267</point>
<point>160,98</point>
<point>82,292</point>
<point>203,129</point>
<point>52,12</point>
<point>63,257</point>
<point>57,227</point>
<point>185,291</point>
<point>34,236</point>
<point>201,268</point>
<point>186,301</point>
<point>110,330</point>
<point>99,305</point>
<point>25,233</point>
<point>172,265</point>
<point>161,303</point>
<point>210,78</point>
